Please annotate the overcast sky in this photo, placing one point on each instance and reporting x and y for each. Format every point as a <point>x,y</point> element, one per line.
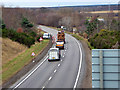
<point>54,3</point>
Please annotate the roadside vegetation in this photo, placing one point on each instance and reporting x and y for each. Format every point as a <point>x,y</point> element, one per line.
<point>16,64</point>
<point>106,39</point>
<point>81,38</point>
<point>18,45</point>
<point>22,38</point>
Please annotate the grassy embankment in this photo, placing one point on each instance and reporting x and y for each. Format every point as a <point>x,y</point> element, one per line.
<point>13,66</point>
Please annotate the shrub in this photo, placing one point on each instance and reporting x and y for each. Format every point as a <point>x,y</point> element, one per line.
<point>33,34</point>
<point>105,39</point>
<point>19,37</point>
<point>38,38</point>
<point>20,30</point>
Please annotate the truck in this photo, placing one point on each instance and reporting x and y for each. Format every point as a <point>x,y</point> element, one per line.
<point>60,40</point>
<point>61,36</point>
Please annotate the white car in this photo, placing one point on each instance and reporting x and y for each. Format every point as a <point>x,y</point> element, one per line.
<point>46,36</point>
<point>54,54</point>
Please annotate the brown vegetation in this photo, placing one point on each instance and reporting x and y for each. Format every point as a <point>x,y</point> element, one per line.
<point>11,49</point>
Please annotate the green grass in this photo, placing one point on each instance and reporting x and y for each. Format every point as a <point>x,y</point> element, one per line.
<point>77,36</point>
<point>80,38</point>
<point>13,66</point>
<point>89,45</point>
<point>68,32</point>
<point>42,32</point>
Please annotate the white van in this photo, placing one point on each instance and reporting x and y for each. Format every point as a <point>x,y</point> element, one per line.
<point>46,36</point>
<point>54,54</point>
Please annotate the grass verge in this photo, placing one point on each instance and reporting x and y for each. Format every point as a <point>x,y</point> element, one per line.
<point>81,38</point>
<point>13,66</point>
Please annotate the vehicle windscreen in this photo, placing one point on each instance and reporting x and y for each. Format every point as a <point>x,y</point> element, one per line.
<point>45,34</point>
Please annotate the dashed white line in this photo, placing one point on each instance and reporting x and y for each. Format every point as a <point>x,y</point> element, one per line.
<point>50,78</point>
<point>58,65</point>
<point>65,50</point>
<point>61,60</point>
<point>55,71</point>
<point>63,56</point>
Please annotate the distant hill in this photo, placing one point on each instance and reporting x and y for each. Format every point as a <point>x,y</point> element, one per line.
<point>91,7</point>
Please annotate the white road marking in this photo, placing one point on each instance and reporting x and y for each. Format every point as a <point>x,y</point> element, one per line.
<point>61,59</point>
<point>55,71</point>
<point>50,78</point>
<point>63,56</point>
<point>58,65</point>
<point>75,85</point>
<point>65,50</point>
<point>30,73</point>
<point>43,87</point>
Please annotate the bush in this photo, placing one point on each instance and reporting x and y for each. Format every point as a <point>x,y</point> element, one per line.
<point>105,39</point>
<point>33,34</point>
<point>38,38</point>
<point>20,30</point>
<point>19,37</point>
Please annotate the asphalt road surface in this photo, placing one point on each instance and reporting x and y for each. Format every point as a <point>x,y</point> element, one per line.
<point>65,73</point>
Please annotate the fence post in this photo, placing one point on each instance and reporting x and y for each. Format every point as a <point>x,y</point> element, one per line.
<point>101,68</point>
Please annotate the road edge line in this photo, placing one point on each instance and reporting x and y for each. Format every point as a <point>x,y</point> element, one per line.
<point>80,64</point>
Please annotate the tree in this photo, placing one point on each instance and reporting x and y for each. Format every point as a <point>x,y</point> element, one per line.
<point>67,22</point>
<point>91,25</point>
<point>26,24</point>
<point>2,24</point>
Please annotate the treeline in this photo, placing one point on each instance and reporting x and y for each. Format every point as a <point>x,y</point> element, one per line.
<point>69,17</point>
<point>45,16</point>
<point>24,35</point>
<point>66,16</point>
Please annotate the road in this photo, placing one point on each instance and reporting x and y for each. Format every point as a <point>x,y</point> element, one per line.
<point>65,73</point>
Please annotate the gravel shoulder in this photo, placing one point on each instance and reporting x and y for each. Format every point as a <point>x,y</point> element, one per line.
<point>87,69</point>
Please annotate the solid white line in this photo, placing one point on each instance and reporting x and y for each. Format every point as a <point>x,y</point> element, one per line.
<point>50,78</point>
<point>58,65</point>
<point>75,85</point>
<point>30,73</point>
<point>55,71</point>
